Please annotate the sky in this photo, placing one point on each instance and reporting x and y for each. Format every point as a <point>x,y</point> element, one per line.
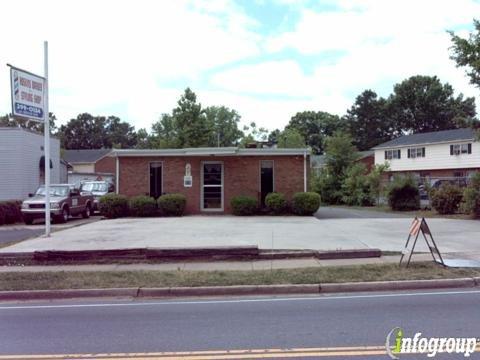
<point>267,59</point>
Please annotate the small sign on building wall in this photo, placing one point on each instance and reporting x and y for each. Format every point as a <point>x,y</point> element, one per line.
<point>187,179</point>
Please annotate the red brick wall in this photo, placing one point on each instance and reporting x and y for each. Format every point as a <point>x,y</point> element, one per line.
<point>369,161</point>
<point>105,165</point>
<point>241,176</point>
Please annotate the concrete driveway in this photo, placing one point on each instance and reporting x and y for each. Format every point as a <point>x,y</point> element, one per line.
<point>286,232</point>
<point>19,232</point>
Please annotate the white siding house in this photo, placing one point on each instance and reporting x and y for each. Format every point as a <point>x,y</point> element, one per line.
<point>449,153</point>
<point>21,152</point>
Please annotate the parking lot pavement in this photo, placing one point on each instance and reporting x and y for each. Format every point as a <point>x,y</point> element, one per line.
<point>267,232</point>
<point>19,232</point>
<point>337,212</point>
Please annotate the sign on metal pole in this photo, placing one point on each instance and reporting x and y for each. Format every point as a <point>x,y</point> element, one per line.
<point>28,94</point>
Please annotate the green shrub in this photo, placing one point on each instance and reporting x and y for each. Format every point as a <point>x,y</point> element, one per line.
<point>276,202</point>
<point>142,206</point>
<point>243,205</point>
<point>471,197</point>
<point>113,206</point>
<point>328,186</point>
<point>172,204</point>
<point>305,203</point>
<point>356,186</point>
<point>403,194</point>
<point>447,199</point>
<point>11,210</point>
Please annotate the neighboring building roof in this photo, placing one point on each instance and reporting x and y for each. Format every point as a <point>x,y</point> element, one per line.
<point>318,161</point>
<point>365,154</point>
<point>84,156</point>
<point>218,151</point>
<point>430,138</point>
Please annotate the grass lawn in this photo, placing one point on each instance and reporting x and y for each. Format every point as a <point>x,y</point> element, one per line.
<point>314,275</point>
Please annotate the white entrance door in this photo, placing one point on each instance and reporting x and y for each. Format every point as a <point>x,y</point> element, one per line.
<point>212,186</point>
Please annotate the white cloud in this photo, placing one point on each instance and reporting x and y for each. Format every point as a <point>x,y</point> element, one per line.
<point>136,57</point>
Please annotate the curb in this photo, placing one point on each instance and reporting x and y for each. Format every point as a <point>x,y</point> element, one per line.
<point>172,292</point>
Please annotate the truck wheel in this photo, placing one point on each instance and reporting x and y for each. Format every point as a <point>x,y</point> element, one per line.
<point>63,218</point>
<point>86,213</point>
<point>28,220</point>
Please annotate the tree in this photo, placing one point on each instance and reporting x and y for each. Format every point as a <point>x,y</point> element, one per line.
<point>355,186</point>
<point>315,127</point>
<point>119,134</point>
<point>144,139</point>
<point>223,123</point>
<point>466,53</point>
<point>290,138</point>
<point>368,122</point>
<point>190,122</point>
<point>252,134</point>
<point>376,181</point>
<point>423,104</point>
<point>96,132</point>
<point>9,121</point>
<point>164,133</point>
<point>340,154</point>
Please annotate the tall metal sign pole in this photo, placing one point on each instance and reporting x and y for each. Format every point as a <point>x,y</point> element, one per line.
<point>29,93</point>
<point>46,119</point>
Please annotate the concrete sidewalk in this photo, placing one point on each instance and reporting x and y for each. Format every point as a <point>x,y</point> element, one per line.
<point>217,265</point>
<point>266,232</point>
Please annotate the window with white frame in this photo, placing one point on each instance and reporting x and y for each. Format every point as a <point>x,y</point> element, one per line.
<point>416,152</point>
<point>459,149</point>
<point>393,154</point>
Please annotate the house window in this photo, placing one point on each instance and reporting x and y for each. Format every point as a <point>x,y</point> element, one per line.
<point>392,154</point>
<point>459,149</point>
<point>416,152</point>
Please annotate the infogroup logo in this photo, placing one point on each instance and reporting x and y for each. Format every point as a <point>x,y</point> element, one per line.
<point>397,343</point>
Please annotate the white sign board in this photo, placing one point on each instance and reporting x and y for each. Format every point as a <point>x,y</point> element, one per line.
<point>28,91</point>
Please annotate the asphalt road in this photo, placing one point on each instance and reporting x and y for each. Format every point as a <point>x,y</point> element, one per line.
<point>348,320</point>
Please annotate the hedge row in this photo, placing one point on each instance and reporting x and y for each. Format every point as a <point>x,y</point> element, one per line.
<point>302,204</point>
<point>114,206</point>
<point>10,212</point>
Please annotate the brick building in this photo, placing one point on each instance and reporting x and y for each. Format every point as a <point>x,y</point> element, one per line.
<point>210,177</point>
<point>94,164</point>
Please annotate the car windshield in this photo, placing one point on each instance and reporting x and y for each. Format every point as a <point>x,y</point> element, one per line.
<point>101,187</point>
<point>54,191</point>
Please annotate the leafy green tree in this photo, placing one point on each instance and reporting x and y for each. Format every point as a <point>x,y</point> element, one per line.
<point>355,186</point>
<point>96,132</point>
<point>252,134</point>
<point>290,138</point>
<point>376,181</point>
<point>223,123</point>
<point>164,133</point>
<point>315,127</point>
<point>83,132</point>
<point>190,122</point>
<point>466,53</point>
<point>9,121</point>
<point>144,139</point>
<point>423,104</point>
<point>119,134</point>
<point>340,154</point>
<point>368,122</point>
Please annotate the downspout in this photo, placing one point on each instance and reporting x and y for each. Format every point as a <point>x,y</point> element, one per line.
<point>117,175</point>
<point>305,170</point>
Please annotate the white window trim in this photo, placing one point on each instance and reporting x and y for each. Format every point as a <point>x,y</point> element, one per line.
<point>202,208</point>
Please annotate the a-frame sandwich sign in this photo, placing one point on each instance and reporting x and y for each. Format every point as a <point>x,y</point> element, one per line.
<point>420,226</point>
